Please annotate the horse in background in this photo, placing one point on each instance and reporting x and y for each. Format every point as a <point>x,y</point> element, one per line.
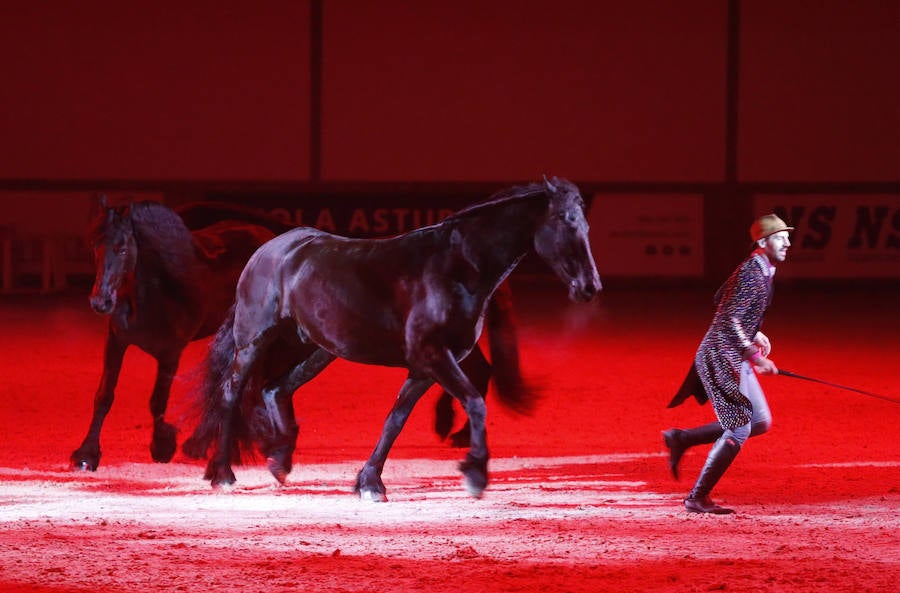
<point>414,301</point>
<point>162,286</point>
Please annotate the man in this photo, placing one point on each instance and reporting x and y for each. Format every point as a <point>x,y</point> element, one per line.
<point>723,369</point>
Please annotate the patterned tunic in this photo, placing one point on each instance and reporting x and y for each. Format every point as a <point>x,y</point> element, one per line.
<point>741,304</point>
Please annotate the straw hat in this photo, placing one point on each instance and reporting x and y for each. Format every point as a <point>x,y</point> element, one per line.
<point>767,225</point>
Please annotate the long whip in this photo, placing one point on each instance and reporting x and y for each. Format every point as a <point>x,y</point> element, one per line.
<point>830,384</point>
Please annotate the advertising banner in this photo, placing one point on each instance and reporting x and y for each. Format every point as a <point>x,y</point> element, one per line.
<point>838,236</point>
<point>647,235</point>
<point>364,216</point>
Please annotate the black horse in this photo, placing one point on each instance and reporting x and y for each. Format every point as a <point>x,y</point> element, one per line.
<point>512,391</point>
<point>162,287</point>
<point>416,301</point>
<point>502,368</point>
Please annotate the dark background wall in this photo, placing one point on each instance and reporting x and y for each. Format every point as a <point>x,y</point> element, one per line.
<point>306,104</point>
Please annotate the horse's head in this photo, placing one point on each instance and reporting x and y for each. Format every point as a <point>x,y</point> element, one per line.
<point>562,240</point>
<point>115,255</point>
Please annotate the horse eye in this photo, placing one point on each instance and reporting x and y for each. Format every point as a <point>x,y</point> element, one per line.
<point>568,217</point>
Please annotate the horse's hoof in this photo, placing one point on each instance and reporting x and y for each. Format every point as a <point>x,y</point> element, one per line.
<point>219,476</point>
<point>372,496</point>
<point>223,479</point>
<point>369,485</point>
<point>224,484</point>
<point>163,446</point>
<point>474,476</point>
<point>86,461</point>
<point>84,466</point>
<point>224,487</point>
<point>278,468</point>
<point>473,489</point>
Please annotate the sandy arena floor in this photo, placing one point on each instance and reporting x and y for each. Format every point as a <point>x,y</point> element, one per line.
<point>580,498</point>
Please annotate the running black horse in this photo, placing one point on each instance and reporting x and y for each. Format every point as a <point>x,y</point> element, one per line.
<point>415,301</point>
<point>512,391</point>
<point>162,286</point>
<point>503,369</point>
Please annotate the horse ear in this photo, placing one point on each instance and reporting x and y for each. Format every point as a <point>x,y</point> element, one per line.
<point>98,205</point>
<point>118,213</point>
<point>125,212</point>
<point>548,185</point>
<point>98,209</point>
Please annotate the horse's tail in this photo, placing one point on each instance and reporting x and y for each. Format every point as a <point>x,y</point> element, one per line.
<point>512,389</point>
<point>213,371</point>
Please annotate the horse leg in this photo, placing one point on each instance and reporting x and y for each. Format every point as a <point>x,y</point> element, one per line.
<point>451,377</point>
<point>478,370</point>
<point>368,482</point>
<point>444,415</point>
<point>162,447</point>
<point>218,470</point>
<point>277,417</point>
<point>87,456</point>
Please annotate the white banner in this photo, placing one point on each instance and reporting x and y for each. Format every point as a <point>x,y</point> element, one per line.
<point>647,234</point>
<point>838,236</point>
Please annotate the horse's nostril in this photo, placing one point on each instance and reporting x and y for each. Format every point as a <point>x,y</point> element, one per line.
<point>101,305</point>
<point>589,291</point>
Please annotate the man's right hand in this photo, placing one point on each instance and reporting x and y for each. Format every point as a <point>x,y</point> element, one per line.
<point>764,366</point>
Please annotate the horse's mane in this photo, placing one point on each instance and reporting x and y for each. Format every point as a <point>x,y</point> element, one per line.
<point>500,198</point>
<point>508,195</point>
<point>161,230</point>
<point>159,233</point>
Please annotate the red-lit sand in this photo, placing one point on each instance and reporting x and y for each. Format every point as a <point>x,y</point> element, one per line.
<point>580,498</point>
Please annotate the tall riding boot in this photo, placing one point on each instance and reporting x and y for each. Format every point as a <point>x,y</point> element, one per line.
<point>720,457</point>
<point>678,441</point>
